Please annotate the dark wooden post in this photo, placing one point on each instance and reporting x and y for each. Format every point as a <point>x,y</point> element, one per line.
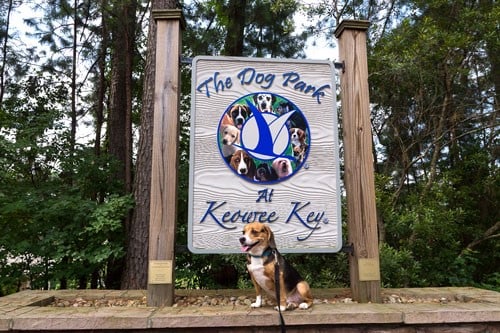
<point>163,211</point>
<point>359,177</point>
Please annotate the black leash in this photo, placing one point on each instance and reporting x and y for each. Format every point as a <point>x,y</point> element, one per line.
<point>277,287</point>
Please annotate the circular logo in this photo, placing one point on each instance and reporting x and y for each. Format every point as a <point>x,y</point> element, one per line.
<point>263,138</point>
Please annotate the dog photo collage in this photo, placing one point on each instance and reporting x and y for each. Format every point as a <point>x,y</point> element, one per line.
<point>263,138</point>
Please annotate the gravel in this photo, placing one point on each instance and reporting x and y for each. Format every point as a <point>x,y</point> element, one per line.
<point>220,300</point>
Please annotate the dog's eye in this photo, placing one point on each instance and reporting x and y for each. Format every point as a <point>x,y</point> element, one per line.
<point>254,232</point>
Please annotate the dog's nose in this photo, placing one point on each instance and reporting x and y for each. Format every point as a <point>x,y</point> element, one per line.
<point>242,240</point>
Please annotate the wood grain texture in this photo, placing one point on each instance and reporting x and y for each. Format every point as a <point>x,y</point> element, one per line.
<point>163,209</point>
<point>212,181</point>
<point>359,173</point>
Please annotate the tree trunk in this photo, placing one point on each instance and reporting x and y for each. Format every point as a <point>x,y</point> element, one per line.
<point>233,44</point>
<point>123,29</point>
<point>4,51</point>
<point>99,116</point>
<point>136,261</point>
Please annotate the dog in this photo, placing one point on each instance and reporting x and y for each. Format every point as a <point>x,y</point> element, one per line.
<point>258,242</point>
<point>243,164</point>
<point>297,136</point>
<point>299,152</point>
<point>265,173</point>
<point>264,102</point>
<point>296,119</point>
<point>239,113</point>
<point>284,107</point>
<point>226,120</point>
<point>283,167</point>
<point>230,140</point>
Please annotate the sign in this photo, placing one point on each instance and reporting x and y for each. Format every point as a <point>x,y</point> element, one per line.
<point>160,272</point>
<point>264,147</point>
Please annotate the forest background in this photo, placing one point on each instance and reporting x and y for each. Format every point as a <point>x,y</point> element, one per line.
<point>76,122</point>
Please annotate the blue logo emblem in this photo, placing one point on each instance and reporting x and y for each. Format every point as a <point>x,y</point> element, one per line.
<point>264,138</point>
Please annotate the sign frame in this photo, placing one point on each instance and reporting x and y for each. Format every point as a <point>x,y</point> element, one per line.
<point>231,81</point>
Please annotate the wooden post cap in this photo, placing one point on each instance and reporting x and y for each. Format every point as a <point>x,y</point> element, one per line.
<point>169,14</point>
<point>351,24</point>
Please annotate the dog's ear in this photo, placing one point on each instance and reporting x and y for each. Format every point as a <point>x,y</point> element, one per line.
<point>270,237</point>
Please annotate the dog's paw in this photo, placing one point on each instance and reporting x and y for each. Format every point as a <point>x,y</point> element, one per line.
<point>280,308</point>
<point>257,303</point>
<point>303,306</point>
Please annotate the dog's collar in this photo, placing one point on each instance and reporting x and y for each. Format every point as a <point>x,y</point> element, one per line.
<point>267,252</point>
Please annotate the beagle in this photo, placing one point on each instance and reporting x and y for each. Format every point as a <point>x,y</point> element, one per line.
<point>243,164</point>
<point>230,140</point>
<point>258,242</point>
<point>264,102</point>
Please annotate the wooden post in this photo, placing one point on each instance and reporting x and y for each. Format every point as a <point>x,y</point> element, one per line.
<point>163,211</point>
<point>358,158</point>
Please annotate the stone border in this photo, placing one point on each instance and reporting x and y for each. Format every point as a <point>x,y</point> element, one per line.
<point>25,311</point>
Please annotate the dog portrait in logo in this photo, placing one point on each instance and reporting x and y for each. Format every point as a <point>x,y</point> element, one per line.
<point>263,138</point>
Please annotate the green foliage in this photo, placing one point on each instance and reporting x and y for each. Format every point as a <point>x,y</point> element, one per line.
<point>269,28</point>
<point>53,226</point>
<point>105,223</point>
<point>434,83</point>
<point>398,268</point>
<point>437,182</point>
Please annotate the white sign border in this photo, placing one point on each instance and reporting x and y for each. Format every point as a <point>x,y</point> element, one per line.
<point>236,250</point>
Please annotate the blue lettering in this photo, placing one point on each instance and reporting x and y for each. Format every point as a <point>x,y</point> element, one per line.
<point>237,216</point>
<point>293,78</point>
<point>243,76</point>
<point>316,227</point>
<point>320,93</point>
<point>311,218</point>
<point>315,217</point>
<point>205,84</point>
<point>211,209</point>
<point>219,85</point>
<point>295,212</point>
<point>265,194</point>
<point>248,75</point>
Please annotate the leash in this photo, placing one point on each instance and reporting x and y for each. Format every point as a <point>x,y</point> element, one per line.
<point>277,287</point>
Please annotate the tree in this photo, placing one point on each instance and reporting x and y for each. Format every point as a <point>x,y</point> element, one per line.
<point>5,45</point>
<point>434,104</point>
<point>63,200</point>
<point>122,24</point>
<point>66,197</point>
<point>434,108</point>
<point>136,263</point>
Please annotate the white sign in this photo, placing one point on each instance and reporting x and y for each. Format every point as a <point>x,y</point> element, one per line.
<point>264,147</point>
